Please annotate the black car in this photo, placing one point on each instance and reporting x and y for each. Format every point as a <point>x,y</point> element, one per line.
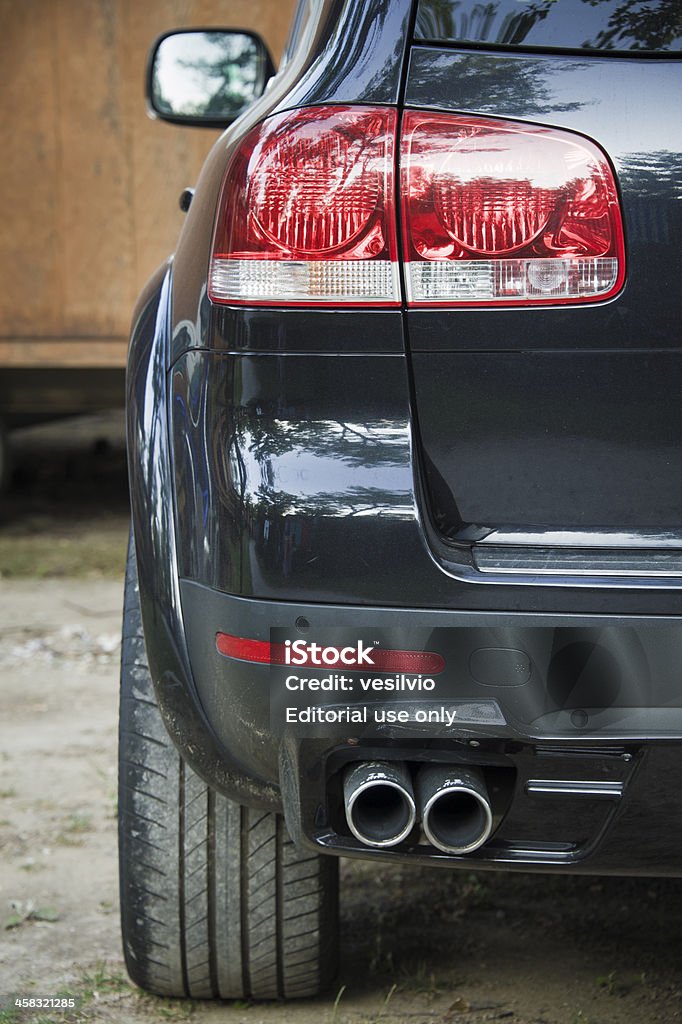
<point>404,427</point>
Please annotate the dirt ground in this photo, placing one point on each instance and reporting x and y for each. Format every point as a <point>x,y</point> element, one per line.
<point>417,946</point>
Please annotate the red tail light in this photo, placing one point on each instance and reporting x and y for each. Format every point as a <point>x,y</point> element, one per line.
<point>497,212</point>
<point>307,212</point>
<point>494,213</point>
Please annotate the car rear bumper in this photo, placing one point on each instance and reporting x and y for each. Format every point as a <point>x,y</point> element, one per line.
<point>599,796</point>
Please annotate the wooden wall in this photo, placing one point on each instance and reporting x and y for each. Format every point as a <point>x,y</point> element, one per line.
<point>90,183</point>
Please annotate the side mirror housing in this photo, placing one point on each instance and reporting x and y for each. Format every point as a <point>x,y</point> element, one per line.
<point>206,77</point>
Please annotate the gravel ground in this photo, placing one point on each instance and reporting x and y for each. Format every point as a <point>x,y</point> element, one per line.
<point>417,946</point>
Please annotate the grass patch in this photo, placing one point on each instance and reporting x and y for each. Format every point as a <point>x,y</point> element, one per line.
<point>99,980</point>
<point>79,823</point>
<point>75,828</point>
<point>24,912</point>
<point>86,555</point>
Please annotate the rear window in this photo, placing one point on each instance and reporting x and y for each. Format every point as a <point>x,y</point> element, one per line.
<point>618,26</point>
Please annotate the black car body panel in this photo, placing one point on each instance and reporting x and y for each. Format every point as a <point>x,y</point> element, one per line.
<point>258,517</point>
<point>564,417</point>
<point>338,468</point>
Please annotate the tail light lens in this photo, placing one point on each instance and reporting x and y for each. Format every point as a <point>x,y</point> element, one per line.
<point>307,214</point>
<point>494,213</point>
<point>497,212</point>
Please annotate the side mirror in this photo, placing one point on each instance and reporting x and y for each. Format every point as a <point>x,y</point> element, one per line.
<point>206,77</point>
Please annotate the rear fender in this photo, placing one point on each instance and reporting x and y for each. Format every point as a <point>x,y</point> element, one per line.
<point>153,518</point>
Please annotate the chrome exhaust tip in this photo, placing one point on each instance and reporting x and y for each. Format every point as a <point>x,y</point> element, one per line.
<point>379,802</point>
<point>455,808</point>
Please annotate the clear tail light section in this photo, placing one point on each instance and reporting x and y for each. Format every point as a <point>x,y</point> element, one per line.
<point>307,214</point>
<point>502,213</point>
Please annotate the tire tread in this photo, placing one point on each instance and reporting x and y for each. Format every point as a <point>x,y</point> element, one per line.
<point>240,913</point>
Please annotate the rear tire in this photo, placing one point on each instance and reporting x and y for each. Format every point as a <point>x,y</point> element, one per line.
<point>216,901</point>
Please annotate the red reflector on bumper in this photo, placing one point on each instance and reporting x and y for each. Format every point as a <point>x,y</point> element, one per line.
<point>243,649</point>
<point>378,658</point>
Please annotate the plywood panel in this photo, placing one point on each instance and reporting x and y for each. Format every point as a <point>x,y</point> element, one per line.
<point>91,182</point>
<point>50,353</point>
<point>95,182</point>
<point>30,225</point>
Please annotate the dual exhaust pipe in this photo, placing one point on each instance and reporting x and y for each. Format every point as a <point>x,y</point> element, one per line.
<point>452,801</point>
